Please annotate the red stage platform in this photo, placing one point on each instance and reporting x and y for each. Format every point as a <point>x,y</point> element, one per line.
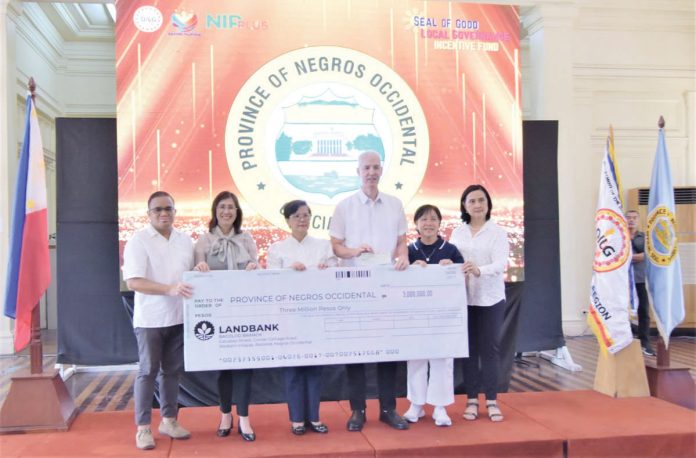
<point>571,423</point>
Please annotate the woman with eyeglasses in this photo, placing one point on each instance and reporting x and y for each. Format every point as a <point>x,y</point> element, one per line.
<point>485,248</point>
<point>226,247</point>
<point>300,252</point>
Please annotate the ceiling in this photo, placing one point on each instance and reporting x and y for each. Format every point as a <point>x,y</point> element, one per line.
<point>81,21</point>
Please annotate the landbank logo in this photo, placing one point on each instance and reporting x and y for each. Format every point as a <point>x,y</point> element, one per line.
<point>148,19</point>
<point>661,239</point>
<point>612,241</point>
<point>204,330</point>
<point>184,21</point>
<point>300,122</point>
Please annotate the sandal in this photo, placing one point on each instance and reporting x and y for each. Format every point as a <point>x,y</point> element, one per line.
<point>471,411</point>
<point>494,413</point>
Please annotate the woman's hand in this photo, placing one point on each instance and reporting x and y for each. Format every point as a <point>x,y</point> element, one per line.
<point>298,266</point>
<point>470,268</point>
<point>251,266</point>
<point>322,266</point>
<point>202,267</point>
<point>445,262</point>
<point>419,262</point>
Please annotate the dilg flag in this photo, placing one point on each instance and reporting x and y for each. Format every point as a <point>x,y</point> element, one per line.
<point>663,269</point>
<point>612,286</point>
<point>29,269</point>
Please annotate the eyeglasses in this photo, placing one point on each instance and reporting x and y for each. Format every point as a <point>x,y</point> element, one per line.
<point>158,210</point>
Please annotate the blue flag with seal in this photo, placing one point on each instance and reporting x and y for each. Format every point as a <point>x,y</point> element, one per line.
<point>661,247</point>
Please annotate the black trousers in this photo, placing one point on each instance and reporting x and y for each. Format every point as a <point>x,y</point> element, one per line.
<point>643,315</point>
<point>386,381</point>
<point>481,367</point>
<point>226,382</point>
<point>303,390</point>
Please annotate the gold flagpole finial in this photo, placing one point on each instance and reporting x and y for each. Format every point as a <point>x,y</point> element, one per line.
<point>661,122</point>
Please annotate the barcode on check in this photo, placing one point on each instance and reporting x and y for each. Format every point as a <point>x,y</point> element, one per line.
<point>353,273</point>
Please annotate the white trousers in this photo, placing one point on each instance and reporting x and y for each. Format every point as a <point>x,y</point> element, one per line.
<point>439,390</point>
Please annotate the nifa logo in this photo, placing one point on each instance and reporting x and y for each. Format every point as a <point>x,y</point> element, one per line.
<point>204,330</point>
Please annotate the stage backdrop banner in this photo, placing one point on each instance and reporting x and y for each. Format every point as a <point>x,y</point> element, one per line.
<point>275,101</point>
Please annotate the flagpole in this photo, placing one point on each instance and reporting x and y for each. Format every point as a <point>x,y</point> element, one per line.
<point>662,350</point>
<point>671,383</point>
<point>36,400</point>
<point>36,345</point>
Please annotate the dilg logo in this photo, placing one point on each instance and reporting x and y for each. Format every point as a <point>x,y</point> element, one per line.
<point>612,248</point>
<point>147,19</point>
<point>204,330</point>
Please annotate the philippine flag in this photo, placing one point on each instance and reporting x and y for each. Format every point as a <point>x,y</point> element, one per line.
<point>29,269</point>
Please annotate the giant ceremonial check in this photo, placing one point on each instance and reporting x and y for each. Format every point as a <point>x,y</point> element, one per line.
<point>274,318</point>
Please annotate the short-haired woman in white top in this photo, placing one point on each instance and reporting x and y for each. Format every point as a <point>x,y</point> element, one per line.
<point>300,251</point>
<point>226,247</point>
<point>484,245</point>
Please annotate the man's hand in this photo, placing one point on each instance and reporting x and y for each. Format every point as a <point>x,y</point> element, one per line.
<point>251,266</point>
<point>322,266</point>
<point>364,248</point>
<point>180,289</point>
<point>445,262</point>
<point>298,266</point>
<point>419,262</point>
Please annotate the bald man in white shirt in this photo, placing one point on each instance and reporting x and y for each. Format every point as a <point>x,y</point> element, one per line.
<point>371,222</point>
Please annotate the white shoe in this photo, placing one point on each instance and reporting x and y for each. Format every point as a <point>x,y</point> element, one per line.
<point>170,427</point>
<point>144,439</point>
<point>414,413</point>
<point>441,418</point>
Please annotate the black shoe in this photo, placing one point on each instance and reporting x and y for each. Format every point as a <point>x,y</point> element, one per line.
<point>393,419</point>
<point>251,437</point>
<point>224,432</point>
<point>318,428</point>
<point>647,351</point>
<point>356,421</point>
<point>298,430</point>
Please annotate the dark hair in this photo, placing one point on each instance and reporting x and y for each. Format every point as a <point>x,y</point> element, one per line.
<point>632,211</point>
<point>474,187</point>
<point>291,208</point>
<point>427,208</point>
<point>157,194</point>
<point>237,224</point>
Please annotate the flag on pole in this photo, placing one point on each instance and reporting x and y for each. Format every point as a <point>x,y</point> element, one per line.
<point>663,269</point>
<point>29,269</point>
<point>612,287</point>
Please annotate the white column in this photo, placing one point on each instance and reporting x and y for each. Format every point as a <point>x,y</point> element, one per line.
<point>691,135</point>
<point>550,28</point>
<point>7,106</point>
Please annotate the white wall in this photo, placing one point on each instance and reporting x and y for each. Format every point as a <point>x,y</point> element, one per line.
<point>586,63</point>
